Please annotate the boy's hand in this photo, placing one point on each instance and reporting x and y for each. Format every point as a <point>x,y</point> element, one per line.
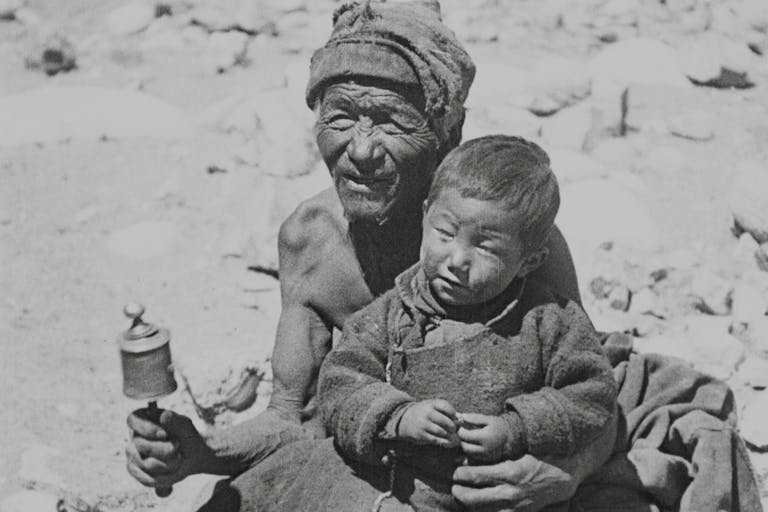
<point>429,422</point>
<point>483,438</point>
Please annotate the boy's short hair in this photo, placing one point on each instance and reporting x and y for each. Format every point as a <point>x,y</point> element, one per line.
<point>508,169</point>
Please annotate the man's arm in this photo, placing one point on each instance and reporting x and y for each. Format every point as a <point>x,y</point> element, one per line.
<point>557,272</point>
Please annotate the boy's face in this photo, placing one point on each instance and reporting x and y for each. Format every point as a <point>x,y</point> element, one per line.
<point>471,249</point>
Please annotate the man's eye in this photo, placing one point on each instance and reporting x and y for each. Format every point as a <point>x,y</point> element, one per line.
<point>340,122</point>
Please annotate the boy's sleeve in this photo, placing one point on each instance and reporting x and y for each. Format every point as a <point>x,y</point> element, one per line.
<point>355,401</point>
<point>579,394</point>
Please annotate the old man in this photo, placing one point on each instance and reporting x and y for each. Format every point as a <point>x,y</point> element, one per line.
<point>388,90</point>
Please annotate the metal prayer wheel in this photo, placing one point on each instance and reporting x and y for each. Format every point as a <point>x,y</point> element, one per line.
<point>145,354</point>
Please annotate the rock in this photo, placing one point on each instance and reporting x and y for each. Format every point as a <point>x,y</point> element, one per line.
<point>761,257</point>
<point>58,113</point>
<point>570,166</point>
<point>619,298</point>
<point>754,418</point>
<point>652,108</point>
<point>8,8</point>
<point>170,40</point>
<point>756,334</point>
<point>144,240</point>
<point>715,60</point>
<point>225,50</point>
<point>596,211</point>
<point>28,17</point>
<point>601,288</point>
<point>498,117</point>
<point>568,128</point>
<point>558,83</point>
<point>755,12</point>
<point>211,18</point>
<point>131,18</point>
<point>753,373</point>
<point>664,158</point>
<point>644,301</point>
<point>30,501</point>
<point>635,61</point>
<point>56,55</point>
<point>712,294</point>
<point>697,126</point>
<point>705,343</point>
<point>748,197</point>
<point>615,152</point>
<point>749,302</point>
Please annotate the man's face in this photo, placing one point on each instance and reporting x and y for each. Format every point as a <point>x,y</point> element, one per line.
<point>378,146</point>
<point>471,249</point>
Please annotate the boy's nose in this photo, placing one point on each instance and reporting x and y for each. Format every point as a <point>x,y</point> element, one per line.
<point>459,261</point>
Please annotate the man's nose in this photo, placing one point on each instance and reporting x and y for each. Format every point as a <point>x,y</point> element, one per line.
<point>365,150</point>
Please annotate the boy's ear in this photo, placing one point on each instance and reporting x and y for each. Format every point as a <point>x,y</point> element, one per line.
<point>424,208</point>
<point>533,261</point>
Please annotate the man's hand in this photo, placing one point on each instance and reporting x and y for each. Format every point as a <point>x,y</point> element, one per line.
<point>483,438</point>
<point>429,422</point>
<point>161,454</point>
<point>523,485</point>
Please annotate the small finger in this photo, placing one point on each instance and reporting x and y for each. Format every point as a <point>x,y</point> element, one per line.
<point>474,436</point>
<point>484,476</point>
<point>473,420</point>
<point>443,421</point>
<point>164,450</point>
<point>142,477</point>
<point>478,497</point>
<point>445,407</point>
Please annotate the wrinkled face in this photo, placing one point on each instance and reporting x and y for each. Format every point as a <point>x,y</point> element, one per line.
<point>471,249</point>
<point>378,146</point>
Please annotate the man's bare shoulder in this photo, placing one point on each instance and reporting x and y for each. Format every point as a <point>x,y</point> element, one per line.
<point>313,224</point>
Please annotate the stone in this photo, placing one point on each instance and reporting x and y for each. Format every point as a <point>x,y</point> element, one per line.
<point>748,197</point>
<point>144,240</point>
<point>705,343</point>
<point>644,301</point>
<point>712,294</point>
<point>225,50</point>
<point>130,18</point>
<point>615,152</point>
<point>664,158</point>
<point>755,12</point>
<point>619,298</point>
<point>696,126</point>
<point>52,114</point>
<point>570,165</point>
<point>28,17</point>
<point>753,373</point>
<point>761,257</point>
<point>8,8</point>
<point>650,106</point>
<point>756,335</point>
<point>55,55</point>
<point>558,82</point>
<point>596,211</point>
<point>754,418</point>
<point>635,61</point>
<point>749,303</point>
<point>497,117</point>
<point>211,18</point>
<point>30,501</point>
<point>568,128</point>
<point>715,60</point>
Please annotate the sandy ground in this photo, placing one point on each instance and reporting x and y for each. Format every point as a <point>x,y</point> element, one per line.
<point>173,220</point>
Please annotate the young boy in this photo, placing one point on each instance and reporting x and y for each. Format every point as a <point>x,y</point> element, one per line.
<point>465,361</point>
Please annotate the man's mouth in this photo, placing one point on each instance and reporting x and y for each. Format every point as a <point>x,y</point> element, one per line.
<point>358,182</point>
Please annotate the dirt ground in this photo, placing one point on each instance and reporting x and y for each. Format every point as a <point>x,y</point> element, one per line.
<point>129,211</point>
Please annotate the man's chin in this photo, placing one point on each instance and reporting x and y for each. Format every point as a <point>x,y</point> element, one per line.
<point>359,208</point>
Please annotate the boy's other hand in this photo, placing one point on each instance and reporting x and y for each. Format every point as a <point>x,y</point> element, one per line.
<point>163,453</point>
<point>483,438</point>
<point>429,422</point>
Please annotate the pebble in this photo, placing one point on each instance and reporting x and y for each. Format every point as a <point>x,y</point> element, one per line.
<point>755,12</point>
<point>698,126</point>
<point>54,56</point>
<point>664,158</point>
<point>56,113</point>
<point>30,501</point>
<point>28,17</point>
<point>715,60</point>
<point>753,373</point>
<point>754,419</point>
<point>635,61</point>
<point>225,50</point>
<point>497,117</point>
<point>130,18</point>
<point>559,82</point>
<point>644,301</point>
<point>8,8</point>
<point>619,298</point>
<point>748,197</point>
<point>568,128</point>
<point>615,152</point>
<point>143,240</point>
<point>712,294</point>
<point>749,302</point>
<point>570,166</point>
<point>756,334</point>
<point>596,211</point>
<point>761,257</point>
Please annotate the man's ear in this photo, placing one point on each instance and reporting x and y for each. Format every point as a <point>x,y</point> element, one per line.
<point>533,261</point>
<point>424,207</point>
